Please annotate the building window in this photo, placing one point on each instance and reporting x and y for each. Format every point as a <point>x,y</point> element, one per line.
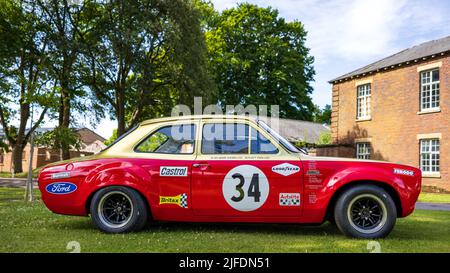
<point>363,103</point>
<point>363,150</point>
<point>429,89</point>
<point>429,155</point>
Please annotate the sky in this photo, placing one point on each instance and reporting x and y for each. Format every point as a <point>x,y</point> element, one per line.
<point>344,35</point>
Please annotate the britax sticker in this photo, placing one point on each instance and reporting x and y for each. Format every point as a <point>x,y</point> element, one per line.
<point>172,171</point>
<point>404,172</point>
<point>285,169</point>
<point>290,199</point>
<point>61,188</point>
<point>180,200</point>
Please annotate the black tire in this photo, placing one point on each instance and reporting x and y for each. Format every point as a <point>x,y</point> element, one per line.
<point>364,203</point>
<point>118,209</point>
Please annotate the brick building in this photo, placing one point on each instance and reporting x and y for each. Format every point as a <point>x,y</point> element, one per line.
<point>91,143</point>
<point>398,109</point>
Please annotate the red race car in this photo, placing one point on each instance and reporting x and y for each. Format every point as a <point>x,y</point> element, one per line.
<point>226,169</point>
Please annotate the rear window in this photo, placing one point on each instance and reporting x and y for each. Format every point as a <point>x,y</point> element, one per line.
<point>174,139</point>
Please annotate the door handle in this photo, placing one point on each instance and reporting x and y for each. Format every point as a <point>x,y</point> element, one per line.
<point>202,166</point>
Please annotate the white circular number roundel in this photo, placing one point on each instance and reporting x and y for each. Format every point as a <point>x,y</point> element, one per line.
<point>245,188</point>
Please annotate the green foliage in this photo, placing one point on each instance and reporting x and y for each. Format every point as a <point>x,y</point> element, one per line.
<point>322,115</point>
<point>4,148</point>
<point>59,137</point>
<point>112,138</point>
<point>324,138</point>
<point>153,142</point>
<point>145,57</point>
<point>258,58</point>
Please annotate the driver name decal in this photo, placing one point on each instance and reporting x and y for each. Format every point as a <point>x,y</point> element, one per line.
<point>172,171</point>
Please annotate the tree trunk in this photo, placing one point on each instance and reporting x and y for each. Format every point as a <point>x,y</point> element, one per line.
<point>120,112</point>
<point>64,119</point>
<point>17,152</point>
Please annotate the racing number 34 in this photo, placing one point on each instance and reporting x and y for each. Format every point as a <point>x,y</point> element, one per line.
<point>245,188</point>
<point>253,189</point>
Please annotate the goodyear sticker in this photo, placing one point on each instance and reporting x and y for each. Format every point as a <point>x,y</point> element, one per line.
<point>180,200</point>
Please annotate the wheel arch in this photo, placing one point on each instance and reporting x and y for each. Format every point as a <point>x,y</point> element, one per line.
<point>88,202</point>
<point>387,187</point>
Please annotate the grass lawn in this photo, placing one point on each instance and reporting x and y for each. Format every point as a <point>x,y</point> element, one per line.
<point>32,228</point>
<point>434,197</point>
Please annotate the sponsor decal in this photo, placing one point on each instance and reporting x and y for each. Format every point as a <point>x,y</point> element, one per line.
<point>285,169</point>
<point>173,171</point>
<point>60,175</point>
<point>245,188</point>
<point>290,199</point>
<point>313,172</point>
<point>180,200</point>
<point>61,188</point>
<point>404,172</point>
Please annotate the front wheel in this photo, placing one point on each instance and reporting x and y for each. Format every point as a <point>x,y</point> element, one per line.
<point>365,211</point>
<point>118,209</point>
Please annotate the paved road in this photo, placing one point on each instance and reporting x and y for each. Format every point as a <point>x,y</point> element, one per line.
<point>433,206</point>
<point>15,182</point>
<point>20,182</point>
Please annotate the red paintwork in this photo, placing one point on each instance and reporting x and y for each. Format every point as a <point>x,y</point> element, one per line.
<point>204,187</point>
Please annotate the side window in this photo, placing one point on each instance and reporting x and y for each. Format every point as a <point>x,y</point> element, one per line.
<point>228,138</point>
<point>176,139</point>
<point>260,144</point>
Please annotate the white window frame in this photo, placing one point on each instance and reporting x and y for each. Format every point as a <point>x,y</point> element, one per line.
<point>429,90</point>
<point>363,101</point>
<point>430,165</point>
<point>363,150</point>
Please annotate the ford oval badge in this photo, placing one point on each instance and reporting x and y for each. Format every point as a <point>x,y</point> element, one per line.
<point>61,188</point>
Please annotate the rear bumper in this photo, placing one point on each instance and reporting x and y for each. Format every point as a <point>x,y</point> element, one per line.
<point>410,195</point>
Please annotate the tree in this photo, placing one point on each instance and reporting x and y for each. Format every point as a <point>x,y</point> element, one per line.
<point>23,74</point>
<point>258,58</point>
<point>112,138</point>
<point>324,115</point>
<point>146,56</point>
<point>324,138</point>
<point>52,139</point>
<point>67,26</point>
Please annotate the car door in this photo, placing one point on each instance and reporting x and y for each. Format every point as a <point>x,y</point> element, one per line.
<point>240,171</point>
<point>170,152</point>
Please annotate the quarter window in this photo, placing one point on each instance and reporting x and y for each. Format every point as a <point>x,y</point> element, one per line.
<point>429,89</point>
<point>176,139</point>
<point>363,101</point>
<point>429,155</point>
<point>261,145</point>
<point>228,138</point>
<point>363,150</point>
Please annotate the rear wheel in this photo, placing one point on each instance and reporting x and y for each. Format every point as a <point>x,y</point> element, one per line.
<point>118,209</point>
<point>365,211</point>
